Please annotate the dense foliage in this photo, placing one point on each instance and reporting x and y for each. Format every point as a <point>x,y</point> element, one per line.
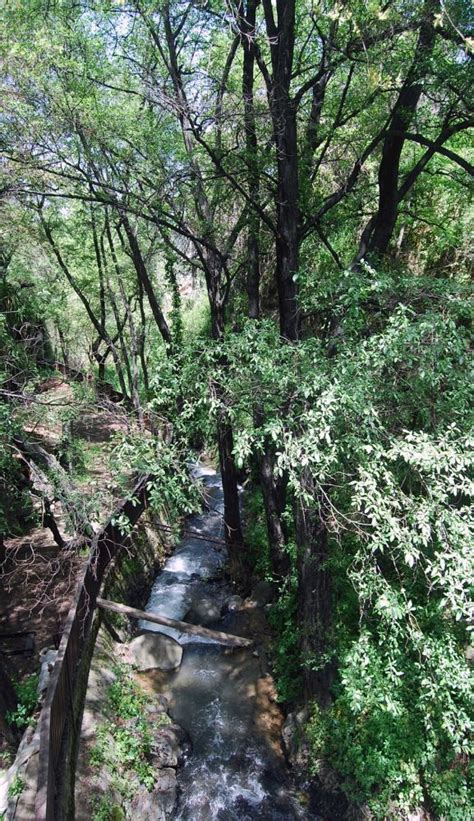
<point>304,166</point>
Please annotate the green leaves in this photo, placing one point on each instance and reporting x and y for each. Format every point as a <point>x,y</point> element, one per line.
<point>383,427</point>
<point>27,694</point>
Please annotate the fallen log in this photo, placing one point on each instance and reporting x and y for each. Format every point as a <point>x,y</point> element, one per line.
<point>183,626</point>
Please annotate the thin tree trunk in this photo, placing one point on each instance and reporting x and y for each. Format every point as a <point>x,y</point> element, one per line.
<point>283,113</point>
<point>232,522</point>
<point>251,147</point>
<point>382,225</point>
<point>142,340</point>
<point>314,599</point>
<point>8,703</point>
<point>64,350</point>
<point>130,356</point>
<point>50,523</point>
<point>100,329</point>
<point>142,274</point>
<point>274,502</point>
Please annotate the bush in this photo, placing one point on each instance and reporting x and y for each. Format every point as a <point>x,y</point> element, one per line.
<point>124,739</point>
<point>27,695</point>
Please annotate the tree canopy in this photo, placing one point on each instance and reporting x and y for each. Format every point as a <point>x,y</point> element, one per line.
<point>251,219</point>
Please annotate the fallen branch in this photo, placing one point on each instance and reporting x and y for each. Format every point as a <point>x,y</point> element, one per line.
<point>55,485</point>
<point>182,626</point>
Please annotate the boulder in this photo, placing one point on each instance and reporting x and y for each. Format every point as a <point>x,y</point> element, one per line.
<point>263,593</point>
<point>169,746</point>
<point>157,805</point>
<point>152,651</point>
<point>47,659</point>
<point>233,603</point>
<point>204,610</point>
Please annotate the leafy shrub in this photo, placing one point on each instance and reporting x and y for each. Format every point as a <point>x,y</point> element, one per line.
<point>124,739</point>
<point>106,810</point>
<point>17,786</point>
<point>287,658</point>
<point>383,428</point>
<point>27,695</point>
<point>124,695</point>
<point>170,488</point>
<point>256,534</point>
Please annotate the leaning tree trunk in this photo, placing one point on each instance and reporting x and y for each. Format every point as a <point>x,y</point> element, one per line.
<point>378,232</point>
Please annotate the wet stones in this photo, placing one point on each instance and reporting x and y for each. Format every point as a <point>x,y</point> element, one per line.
<point>156,804</point>
<point>232,604</point>
<point>168,748</point>
<point>152,651</point>
<point>262,594</point>
<point>204,611</point>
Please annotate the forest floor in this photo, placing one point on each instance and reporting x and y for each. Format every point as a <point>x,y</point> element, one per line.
<point>37,577</point>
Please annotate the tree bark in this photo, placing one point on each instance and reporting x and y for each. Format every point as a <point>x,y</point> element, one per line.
<point>273,493</point>
<point>142,340</point>
<point>383,224</point>
<point>314,599</point>
<point>283,112</point>
<point>8,703</point>
<point>64,348</point>
<point>232,522</point>
<point>146,283</point>
<point>129,353</point>
<point>247,29</point>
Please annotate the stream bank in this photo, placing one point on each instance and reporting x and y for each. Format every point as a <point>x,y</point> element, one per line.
<point>228,762</point>
<point>224,699</point>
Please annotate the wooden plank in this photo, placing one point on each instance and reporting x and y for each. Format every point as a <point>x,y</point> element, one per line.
<point>182,626</point>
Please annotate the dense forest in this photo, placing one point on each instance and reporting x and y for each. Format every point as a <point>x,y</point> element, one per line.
<point>249,222</point>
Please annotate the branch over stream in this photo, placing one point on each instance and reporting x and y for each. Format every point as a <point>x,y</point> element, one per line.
<point>195,629</point>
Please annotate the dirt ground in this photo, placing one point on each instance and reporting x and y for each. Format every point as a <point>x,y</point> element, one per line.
<point>37,578</point>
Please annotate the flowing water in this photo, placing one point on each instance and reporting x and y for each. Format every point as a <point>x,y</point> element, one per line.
<point>236,770</point>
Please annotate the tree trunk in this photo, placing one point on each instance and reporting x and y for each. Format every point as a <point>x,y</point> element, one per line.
<point>253,243</point>
<point>64,349</point>
<point>8,703</point>
<point>273,494</point>
<point>283,112</point>
<point>142,340</point>
<point>50,523</point>
<point>146,283</point>
<point>225,441</point>
<point>314,600</point>
<point>233,528</point>
<point>383,223</point>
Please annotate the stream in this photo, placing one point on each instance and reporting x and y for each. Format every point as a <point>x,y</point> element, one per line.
<point>236,770</point>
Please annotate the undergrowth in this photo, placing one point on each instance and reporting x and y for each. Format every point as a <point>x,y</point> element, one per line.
<point>124,739</point>
<point>27,695</point>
